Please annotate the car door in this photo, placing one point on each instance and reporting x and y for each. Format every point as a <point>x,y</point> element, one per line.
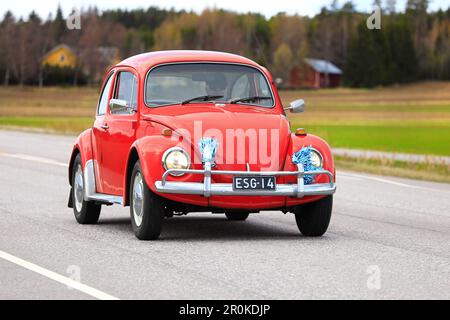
<point>99,130</point>
<point>120,132</point>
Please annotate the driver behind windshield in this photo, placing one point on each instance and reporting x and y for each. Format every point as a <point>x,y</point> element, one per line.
<point>217,85</point>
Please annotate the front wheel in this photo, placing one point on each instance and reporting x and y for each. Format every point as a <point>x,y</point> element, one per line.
<point>146,209</point>
<point>86,212</point>
<point>313,219</point>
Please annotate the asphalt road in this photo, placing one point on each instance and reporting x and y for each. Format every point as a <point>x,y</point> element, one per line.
<point>389,239</point>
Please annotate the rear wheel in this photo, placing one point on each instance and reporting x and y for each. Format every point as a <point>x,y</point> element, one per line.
<point>314,218</point>
<point>146,209</point>
<point>86,212</point>
<point>237,216</point>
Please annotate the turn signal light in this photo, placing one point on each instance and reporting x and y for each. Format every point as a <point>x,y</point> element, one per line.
<point>301,132</point>
<point>167,133</point>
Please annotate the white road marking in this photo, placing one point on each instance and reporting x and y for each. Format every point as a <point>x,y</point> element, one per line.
<point>395,183</point>
<point>57,277</point>
<point>34,159</point>
<point>359,176</point>
<point>340,175</point>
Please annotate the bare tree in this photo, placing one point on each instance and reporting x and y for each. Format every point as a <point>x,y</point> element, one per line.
<point>283,61</point>
<point>99,44</point>
<point>7,42</point>
<point>46,41</point>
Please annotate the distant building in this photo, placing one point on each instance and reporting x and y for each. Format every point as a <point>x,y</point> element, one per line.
<point>315,74</point>
<point>61,56</point>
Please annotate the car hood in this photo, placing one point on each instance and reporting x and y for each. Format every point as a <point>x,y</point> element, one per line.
<point>247,135</point>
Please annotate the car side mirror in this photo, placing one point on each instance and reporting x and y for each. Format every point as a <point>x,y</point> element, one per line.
<point>296,106</point>
<point>118,106</point>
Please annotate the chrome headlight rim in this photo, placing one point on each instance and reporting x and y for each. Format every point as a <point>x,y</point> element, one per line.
<point>166,155</point>
<point>317,152</point>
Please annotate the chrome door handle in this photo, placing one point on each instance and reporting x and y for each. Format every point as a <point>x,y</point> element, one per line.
<point>105,127</point>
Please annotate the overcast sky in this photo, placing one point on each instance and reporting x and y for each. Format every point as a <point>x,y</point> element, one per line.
<point>266,7</point>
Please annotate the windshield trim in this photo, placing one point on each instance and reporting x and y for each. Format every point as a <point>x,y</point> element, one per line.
<point>209,62</point>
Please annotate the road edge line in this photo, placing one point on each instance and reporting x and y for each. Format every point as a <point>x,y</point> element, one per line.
<point>57,277</point>
<point>26,157</point>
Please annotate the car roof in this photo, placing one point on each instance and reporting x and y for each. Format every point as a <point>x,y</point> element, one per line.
<point>143,62</point>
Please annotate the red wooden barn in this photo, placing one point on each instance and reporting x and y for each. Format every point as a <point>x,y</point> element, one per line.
<point>315,74</point>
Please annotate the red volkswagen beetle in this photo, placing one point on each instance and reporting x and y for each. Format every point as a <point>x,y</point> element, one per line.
<point>193,131</point>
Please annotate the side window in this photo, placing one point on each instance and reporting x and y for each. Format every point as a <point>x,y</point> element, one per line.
<point>126,90</point>
<point>104,97</point>
<point>264,87</point>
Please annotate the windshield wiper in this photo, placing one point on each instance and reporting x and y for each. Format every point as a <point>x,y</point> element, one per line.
<point>201,98</point>
<point>249,99</point>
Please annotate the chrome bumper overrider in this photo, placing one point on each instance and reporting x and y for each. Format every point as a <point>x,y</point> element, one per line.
<point>208,189</point>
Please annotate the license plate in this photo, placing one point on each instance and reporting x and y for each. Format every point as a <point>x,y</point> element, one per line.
<point>254,183</point>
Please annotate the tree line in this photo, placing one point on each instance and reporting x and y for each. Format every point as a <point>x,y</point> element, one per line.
<point>411,45</point>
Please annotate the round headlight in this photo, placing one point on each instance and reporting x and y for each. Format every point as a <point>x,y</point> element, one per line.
<point>176,158</point>
<point>316,158</point>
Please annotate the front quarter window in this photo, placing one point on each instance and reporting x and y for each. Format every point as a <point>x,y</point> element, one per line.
<point>103,103</point>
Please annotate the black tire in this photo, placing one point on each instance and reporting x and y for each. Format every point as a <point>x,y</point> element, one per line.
<point>152,214</point>
<point>237,216</point>
<point>86,212</point>
<point>313,219</point>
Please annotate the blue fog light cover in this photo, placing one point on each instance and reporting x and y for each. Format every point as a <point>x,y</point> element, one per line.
<point>304,157</point>
<point>208,149</point>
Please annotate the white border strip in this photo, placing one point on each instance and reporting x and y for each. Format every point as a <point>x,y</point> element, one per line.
<point>382,180</point>
<point>57,277</point>
<point>33,159</point>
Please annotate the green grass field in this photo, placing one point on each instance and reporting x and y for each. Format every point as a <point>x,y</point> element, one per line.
<point>408,119</point>
<point>411,119</point>
<point>412,138</point>
<point>420,171</point>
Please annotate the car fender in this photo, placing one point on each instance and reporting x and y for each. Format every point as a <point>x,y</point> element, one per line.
<point>298,142</point>
<point>150,151</point>
<point>82,146</point>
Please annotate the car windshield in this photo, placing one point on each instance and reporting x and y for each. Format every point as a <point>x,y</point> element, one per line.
<point>206,82</point>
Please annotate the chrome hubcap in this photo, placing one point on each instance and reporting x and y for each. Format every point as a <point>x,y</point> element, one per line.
<point>138,199</point>
<point>79,188</point>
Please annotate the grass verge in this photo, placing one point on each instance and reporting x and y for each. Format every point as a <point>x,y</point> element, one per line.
<point>418,171</point>
<point>65,125</point>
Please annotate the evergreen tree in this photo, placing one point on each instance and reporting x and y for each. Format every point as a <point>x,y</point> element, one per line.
<point>403,58</point>
<point>367,59</point>
<point>59,25</point>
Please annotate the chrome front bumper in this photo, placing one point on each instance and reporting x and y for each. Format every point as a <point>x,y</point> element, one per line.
<point>208,189</point>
